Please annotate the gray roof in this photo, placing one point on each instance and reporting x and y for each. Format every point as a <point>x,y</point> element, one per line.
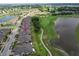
<point>22,48</point>
<point>24,38</point>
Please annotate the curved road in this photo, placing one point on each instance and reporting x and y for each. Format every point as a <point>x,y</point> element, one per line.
<point>44,44</point>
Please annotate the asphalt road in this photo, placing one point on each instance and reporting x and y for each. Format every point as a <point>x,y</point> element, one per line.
<point>66,27</point>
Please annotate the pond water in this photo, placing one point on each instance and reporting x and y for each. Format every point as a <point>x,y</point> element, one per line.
<point>6,18</point>
<point>65,27</point>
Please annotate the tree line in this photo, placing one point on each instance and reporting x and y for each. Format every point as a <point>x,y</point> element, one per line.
<point>36,23</point>
<point>65,10</point>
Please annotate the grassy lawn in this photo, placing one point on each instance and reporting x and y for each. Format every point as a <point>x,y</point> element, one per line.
<point>1,16</point>
<point>47,23</point>
<point>77,34</point>
<point>13,27</point>
<point>39,49</point>
<point>14,45</point>
<point>10,26</point>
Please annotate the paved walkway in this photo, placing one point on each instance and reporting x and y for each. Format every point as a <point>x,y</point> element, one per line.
<point>44,44</point>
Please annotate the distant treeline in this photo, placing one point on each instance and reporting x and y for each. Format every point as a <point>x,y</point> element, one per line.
<point>65,11</point>
<point>36,23</point>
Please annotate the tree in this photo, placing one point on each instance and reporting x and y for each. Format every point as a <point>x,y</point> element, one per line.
<point>36,24</point>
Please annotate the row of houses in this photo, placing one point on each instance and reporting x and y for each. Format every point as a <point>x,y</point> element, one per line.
<point>24,42</point>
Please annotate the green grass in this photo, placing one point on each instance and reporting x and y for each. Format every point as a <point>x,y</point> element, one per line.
<point>14,45</point>
<point>13,27</point>
<point>47,23</point>
<point>1,16</point>
<point>39,49</point>
<point>77,34</point>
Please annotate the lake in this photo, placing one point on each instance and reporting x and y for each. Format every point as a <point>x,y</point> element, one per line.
<point>6,18</point>
<point>65,28</point>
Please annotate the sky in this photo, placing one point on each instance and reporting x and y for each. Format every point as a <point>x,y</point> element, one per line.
<point>39,1</point>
